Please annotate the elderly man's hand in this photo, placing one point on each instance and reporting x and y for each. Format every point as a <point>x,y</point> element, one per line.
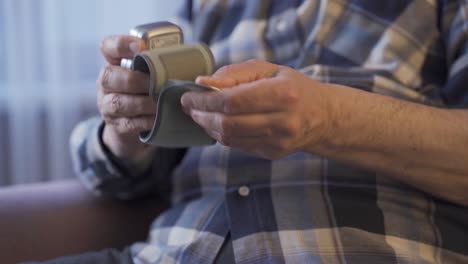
<point>123,99</point>
<point>262,108</point>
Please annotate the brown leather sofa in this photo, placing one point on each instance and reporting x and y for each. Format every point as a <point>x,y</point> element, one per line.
<point>44,221</point>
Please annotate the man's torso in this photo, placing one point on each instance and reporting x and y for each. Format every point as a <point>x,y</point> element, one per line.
<point>304,208</point>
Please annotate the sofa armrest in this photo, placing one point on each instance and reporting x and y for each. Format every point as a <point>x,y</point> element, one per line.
<point>44,221</point>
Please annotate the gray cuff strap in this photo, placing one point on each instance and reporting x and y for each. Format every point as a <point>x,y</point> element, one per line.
<point>172,127</point>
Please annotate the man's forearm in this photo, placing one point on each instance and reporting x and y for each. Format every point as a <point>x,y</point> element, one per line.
<point>272,111</point>
<point>423,146</point>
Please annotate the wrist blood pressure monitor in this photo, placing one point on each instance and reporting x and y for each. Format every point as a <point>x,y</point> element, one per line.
<point>173,68</point>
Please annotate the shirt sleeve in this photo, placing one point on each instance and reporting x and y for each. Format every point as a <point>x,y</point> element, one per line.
<point>454,26</point>
<point>104,174</point>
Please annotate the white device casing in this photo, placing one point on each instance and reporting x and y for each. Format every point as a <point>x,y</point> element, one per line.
<point>156,35</point>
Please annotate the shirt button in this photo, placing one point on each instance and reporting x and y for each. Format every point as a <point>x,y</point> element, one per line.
<point>281,25</point>
<point>244,191</point>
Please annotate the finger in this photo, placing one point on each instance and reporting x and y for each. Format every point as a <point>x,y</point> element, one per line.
<point>131,126</point>
<point>115,79</point>
<point>235,74</point>
<point>261,96</point>
<point>265,147</point>
<point>115,48</point>
<point>123,105</point>
<point>262,147</point>
<point>276,125</point>
<point>268,136</point>
<point>215,82</point>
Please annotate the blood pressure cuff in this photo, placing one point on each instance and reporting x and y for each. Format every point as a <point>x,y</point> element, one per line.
<point>172,71</point>
<point>172,127</point>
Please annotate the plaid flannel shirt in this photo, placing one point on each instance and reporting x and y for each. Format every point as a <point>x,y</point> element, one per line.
<point>303,208</point>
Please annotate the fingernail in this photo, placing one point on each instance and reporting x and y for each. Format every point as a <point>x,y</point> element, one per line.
<point>134,46</point>
<point>201,79</point>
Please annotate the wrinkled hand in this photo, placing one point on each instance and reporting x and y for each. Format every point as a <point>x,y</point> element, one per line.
<point>123,99</point>
<point>262,108</point>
